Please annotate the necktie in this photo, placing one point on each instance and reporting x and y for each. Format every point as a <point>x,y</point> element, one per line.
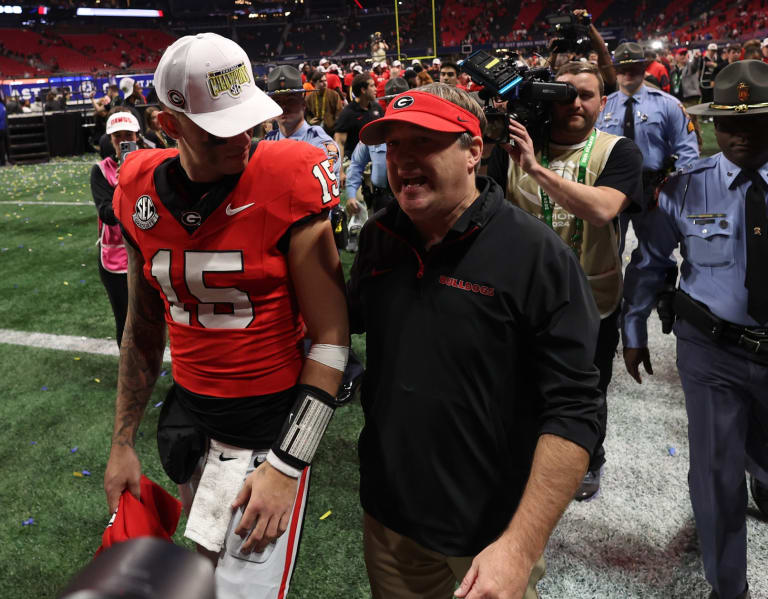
<point>629,118</point>
<point>756,223</point>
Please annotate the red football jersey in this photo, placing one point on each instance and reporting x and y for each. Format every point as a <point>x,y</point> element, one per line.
<point>233,320</point>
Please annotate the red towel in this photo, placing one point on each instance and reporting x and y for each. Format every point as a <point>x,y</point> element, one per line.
<point>155,515</point>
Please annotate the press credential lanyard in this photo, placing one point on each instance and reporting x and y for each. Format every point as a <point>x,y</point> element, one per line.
<point>546,204</point>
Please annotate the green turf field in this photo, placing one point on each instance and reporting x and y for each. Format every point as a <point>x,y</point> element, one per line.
<point>58,405</point>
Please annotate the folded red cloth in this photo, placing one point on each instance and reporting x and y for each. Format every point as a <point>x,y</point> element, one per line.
<point>155,515</point>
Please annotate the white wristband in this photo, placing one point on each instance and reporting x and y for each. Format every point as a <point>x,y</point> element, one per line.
<point>280,465</point>
<point>333,356</point>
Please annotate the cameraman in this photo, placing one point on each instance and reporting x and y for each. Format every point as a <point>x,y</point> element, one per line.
<point>578,184</point>
<point>378,48</point>
<point>598,47</point>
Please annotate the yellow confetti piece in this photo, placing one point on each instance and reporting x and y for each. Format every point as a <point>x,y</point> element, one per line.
<point>78,474</point>
<point>66,283</point>
<point>96,380</point>
<point>325,515</point>
<point>69,234</point>
<point>76,358</point>
<point>59,238</point>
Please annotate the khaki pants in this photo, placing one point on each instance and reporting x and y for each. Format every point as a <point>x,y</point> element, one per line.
<point>400,568</point>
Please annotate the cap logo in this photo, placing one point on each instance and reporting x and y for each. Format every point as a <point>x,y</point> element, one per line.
<point>229,80</point>
<point>403,102</point>
<point>176,98</point>
<point>145,214</point>
<point>742,90</point>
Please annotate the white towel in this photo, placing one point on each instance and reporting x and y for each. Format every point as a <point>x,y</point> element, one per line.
<point>222,479</point>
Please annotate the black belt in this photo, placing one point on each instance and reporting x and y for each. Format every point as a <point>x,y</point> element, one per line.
<point>700,316</point>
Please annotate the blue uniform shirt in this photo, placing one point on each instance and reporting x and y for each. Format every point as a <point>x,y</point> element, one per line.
<point>662,127</point>
<point>2,116</point>
<point>313,135</point>
<point>701,209</point>
<point>363,154</point>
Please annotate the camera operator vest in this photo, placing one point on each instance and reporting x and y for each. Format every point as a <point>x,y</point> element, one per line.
<point>596,247</point>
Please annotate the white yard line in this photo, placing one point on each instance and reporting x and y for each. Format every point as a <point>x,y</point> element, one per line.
<point>105,347</point>
<point>25,203</point>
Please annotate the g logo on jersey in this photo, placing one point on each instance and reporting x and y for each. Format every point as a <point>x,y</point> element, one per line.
<point>191,219</point>
<point>145,214</point>
<point>403,102</point>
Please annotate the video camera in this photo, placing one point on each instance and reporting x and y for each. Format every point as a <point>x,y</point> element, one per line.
<point>572,33</point>
<point>527,92</point>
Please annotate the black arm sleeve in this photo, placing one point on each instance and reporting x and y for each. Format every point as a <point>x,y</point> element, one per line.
<point>624,172</point>
<point>102,196</point>
<point>564,326</point>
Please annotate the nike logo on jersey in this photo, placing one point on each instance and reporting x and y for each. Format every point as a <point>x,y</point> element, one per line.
<point>232,211</point>
<point>223,459</point>
<point>463,120</point>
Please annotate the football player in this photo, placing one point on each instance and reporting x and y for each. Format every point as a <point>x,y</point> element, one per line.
<point>231,250</point>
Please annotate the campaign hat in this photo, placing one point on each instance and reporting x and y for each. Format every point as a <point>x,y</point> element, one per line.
<point>628,53</point>
<point>740,89</point>
<point>284,79</point>
<point>210,79</point>
<point>423,110</point>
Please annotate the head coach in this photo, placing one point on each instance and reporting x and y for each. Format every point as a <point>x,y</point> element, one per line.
<point>480,390</point>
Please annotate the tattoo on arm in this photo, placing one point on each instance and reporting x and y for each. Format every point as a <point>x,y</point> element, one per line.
<point>141,351</point>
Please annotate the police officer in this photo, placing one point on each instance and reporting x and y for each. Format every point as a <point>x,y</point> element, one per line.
<point>655,120</point>
<point>716,211</point>
<point>285,87</point>
<point>376,155</point>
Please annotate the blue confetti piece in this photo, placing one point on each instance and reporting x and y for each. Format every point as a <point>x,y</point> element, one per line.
<point>74,449</point>
<point>164,373</point>
<point>21,245</point>
<point>43,388</point>
<point>86,473</point>
<point>82,281</point>
<point>33,442</point>
<point>158,404</point>
<point>672,451</point>
<point>28,522</point>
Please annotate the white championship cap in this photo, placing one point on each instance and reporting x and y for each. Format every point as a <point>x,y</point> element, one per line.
<point>126,85</point>
<point>397,63</point>
<point>765,42</point>
<point>712,46</point>
<point>415,61</point>
<point>209,78</point>
<point>357,69</point>
<point>122,121</point>
<point>436,62</point>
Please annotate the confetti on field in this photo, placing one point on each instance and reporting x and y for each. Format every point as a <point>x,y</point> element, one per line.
<point>28,522</point>
<point>77,358</point>
<point>43,388</point>
<point>672,451</point>
<point>60,238</point>
<point>158,404</point>
<point>164,373</point>
<point>33,442</point>
<point>86,473</point>
<point>77,474</point>
<point>65,282</point>
<point>74,449</point>
<point>325,515</point>
<point>96,380</point>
